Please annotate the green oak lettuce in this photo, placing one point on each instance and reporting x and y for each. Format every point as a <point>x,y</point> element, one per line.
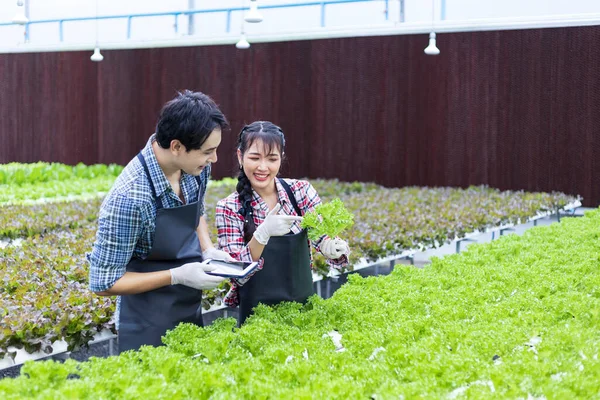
<point>330,218</point>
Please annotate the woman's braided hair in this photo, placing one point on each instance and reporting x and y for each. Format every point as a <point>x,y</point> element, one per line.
<point>271,135</point>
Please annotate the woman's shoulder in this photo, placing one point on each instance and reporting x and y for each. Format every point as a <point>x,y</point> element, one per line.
<point>231,202</point>
<point>297,184</point>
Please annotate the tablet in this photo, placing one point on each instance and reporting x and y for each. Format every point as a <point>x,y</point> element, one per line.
<point>228,269</point>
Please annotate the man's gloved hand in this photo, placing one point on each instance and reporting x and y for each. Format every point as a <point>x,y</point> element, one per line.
<point>215,254</point>
<point>274,225</point>
<point>334,248</point>
<point>194,276</point>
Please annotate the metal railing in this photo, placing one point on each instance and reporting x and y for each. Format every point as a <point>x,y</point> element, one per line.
<point>177,14</point>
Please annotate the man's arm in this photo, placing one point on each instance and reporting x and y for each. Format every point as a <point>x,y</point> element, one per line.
<point>119,229</point>
<point>208,248</point>
<point>203,235</point>
<point>138,282</point>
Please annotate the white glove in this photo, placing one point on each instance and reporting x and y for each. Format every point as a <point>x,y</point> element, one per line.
<point>215,254</point>
<point>194,276</point>
<point>274,225</point>
<point>334,248</point>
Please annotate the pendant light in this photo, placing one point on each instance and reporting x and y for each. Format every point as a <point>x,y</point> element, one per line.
<point>253,15</point>
<point>20,17</point>
<point>432,49</point>
<point>243,43</point>
<point>97,56</point>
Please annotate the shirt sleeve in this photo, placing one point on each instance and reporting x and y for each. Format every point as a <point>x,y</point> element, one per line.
<point>119,227</point>
<point>230,232</point>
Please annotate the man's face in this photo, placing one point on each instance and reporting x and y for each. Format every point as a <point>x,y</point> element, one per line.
<point>194,161</point>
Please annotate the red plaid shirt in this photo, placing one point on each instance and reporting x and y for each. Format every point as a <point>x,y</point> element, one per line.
<point>230,225</point>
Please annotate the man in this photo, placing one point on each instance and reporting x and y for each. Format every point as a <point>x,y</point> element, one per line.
<point>152,232</point>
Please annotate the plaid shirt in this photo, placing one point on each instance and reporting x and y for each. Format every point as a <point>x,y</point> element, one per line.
<point>126,221</point>
<point>230,224</point>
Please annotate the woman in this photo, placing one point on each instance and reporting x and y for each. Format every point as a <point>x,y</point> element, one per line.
<point>261,221</point>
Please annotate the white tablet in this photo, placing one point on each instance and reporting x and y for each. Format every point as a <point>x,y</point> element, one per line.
<point>227,269</point>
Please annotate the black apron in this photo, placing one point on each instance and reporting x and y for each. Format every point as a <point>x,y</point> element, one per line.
<point>145,317</point>
<point>286,273</point>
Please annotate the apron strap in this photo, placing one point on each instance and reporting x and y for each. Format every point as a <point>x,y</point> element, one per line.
<point>140,157</point>
<point>200,205</point>
<point>199,183</point>
<point>291,196</point>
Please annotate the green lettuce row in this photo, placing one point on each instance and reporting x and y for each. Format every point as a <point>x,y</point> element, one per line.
<point>16,174</point>
<point>30,220</point>
<point>74,187</point>
<point>62,252</point>
<point>514,318</point>
<point>390,220</point>
<point>44,294</point>
<point>387,221</point>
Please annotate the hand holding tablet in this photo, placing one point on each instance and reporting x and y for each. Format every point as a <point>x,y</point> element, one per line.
<point>228,269</point>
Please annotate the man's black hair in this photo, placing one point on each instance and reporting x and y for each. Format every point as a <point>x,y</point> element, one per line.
<point>190,118</point>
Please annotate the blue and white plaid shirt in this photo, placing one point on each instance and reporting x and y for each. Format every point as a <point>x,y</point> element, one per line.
<point>126,222</point>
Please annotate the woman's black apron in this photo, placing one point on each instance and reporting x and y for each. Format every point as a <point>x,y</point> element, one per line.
<point>286,274</point>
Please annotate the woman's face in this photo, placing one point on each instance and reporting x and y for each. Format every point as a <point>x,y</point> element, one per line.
<point>260,165</point>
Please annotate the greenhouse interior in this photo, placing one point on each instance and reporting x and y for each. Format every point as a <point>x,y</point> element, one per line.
<point>298,199</point>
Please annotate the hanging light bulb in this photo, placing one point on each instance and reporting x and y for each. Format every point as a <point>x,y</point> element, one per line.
<point>20,17</point>
<point>242,43</point>
<point>97,56</point>
<point>253,15</point>
<point>432,49</point>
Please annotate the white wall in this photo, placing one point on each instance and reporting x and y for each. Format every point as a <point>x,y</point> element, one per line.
<point>295,19</point>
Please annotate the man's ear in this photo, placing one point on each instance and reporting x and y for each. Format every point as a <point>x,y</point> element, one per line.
<point>176,147</point>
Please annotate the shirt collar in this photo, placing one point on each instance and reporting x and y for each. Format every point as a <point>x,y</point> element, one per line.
<point>161,184</point>
<point>259,204</point>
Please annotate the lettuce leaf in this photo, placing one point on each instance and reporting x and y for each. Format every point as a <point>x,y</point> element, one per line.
<point>329,219</point>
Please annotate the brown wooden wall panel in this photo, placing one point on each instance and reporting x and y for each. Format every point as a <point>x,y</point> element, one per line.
<point>48,108</point>
<point>511,109</point>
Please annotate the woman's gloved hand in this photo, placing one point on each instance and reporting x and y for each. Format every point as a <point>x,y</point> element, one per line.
<point>274,225</point>
<point>194,275</point>
<point>215,254</point>
<point>334,248</point>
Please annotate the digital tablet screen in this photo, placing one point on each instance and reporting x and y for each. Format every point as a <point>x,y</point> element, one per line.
<point>234,269</point>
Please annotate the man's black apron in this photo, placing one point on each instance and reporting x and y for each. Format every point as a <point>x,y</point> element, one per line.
<point>145,317</point>
<point>286,273</point>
